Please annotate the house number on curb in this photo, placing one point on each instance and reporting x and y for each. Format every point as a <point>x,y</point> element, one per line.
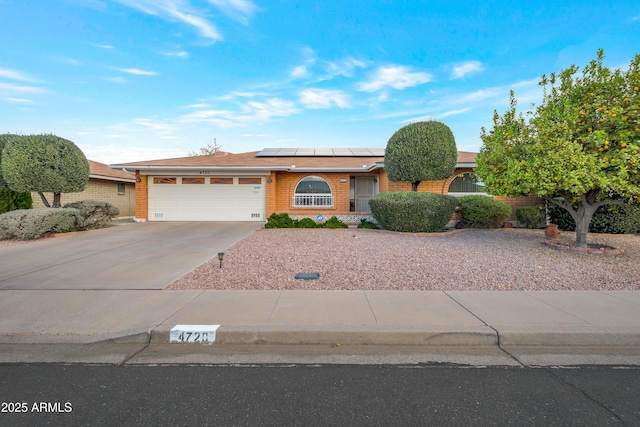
<point>197,334</point>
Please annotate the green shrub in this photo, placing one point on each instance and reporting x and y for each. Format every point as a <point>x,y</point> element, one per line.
<point>27,224</point>
<point>478,211</point>
<point>412,211</point>
<point>367,224</point>
<point>12,200</point>
<point>531,216</point>
<point>609,219</point>
<point>282,220</point>
<point>305,223</point>
<point>334,222</point>
<point>93,213</point>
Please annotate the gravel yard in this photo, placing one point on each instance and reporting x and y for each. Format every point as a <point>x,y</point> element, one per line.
<point>355,259</point>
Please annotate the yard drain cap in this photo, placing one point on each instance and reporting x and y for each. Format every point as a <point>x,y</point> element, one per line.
<point>308,276</point>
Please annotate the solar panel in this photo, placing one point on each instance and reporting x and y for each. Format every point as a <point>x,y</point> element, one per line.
<point>321,152</point>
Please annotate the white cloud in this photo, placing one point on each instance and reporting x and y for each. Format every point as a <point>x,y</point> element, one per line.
<point>137,71</point>
<point>238,10</point>
<point>345,67</point>
<point>176,9</point>
<point>119,80</point>
<point>300,71</point>
<point>250,112</point>
<point>396,77</point>
<point>323,98</point>
<point>9,87</point>
<point>436,116</point>
<point>15,75</point>
<point>19,100</point>
<point>180,54</point>
<point>462,69</point>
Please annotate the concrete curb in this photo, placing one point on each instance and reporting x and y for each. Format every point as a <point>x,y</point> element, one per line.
<point>346,335</point>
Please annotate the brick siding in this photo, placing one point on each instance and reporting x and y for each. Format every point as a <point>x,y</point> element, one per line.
<point>97,189</point>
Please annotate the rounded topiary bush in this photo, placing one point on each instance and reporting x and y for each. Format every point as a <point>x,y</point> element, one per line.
<point>93,213</point>
<point>28,224</point>
<point>478,211</point>
<point>531,216</point>
<point>411,211</point>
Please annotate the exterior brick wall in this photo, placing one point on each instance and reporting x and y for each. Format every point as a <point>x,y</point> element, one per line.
<point>97,189</point>
<point>142,199</point>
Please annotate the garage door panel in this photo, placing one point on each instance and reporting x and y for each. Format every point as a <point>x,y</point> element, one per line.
<point>208,202</point>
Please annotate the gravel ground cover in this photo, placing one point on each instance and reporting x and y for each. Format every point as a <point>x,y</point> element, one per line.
<point>355,259</point>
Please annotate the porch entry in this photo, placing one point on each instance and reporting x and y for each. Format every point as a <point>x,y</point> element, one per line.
<point>362,188</point>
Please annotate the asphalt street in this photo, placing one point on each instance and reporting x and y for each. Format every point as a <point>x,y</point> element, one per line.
<point>385,395</point>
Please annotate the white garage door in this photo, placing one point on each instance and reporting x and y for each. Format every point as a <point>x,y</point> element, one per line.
<point>207,198</point>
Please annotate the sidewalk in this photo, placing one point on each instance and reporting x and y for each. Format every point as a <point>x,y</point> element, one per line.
<point>396,318</point>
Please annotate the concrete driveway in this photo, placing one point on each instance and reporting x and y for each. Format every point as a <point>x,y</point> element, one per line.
<point>132,256</point>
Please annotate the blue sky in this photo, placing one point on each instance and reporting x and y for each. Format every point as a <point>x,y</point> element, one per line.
<point>131,80</point>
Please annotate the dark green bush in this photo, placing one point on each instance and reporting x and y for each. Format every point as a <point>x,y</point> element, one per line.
<point>27,224</point>
<point>93,213</point>
<point>531,216</point>
<point>411,211</point>
<point>609,219</point>
<point>334,222</point>
<point>282,220</point>
<point>478,211</point>
<point>305,223</point>
<point>12,200</point>
<point>367,224</point>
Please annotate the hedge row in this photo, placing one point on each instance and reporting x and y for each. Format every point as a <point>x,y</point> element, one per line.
<point>283,220</point>
<point>27,224</point>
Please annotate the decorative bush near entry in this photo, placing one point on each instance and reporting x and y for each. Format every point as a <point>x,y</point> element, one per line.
<point>93,213</point>
<point>531,216</point>
<point>612,219</point>
<point>334,222</point>
<point>482,212</point>
<point>282,220</point>
<point>367,224</point>
<point>411,211</point>
<point>27,224</point>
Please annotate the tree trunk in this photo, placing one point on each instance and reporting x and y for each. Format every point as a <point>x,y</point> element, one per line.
<point>583,217</point>
<point>56,200</point>
<point>44,199</point>
<point>414,185</point>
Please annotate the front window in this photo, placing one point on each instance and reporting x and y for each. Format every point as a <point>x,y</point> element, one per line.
<point>466,183</point>
<point>313,192</point>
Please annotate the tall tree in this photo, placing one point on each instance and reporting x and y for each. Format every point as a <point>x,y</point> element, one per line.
<point>421,151</point>
<point>44,163</point>
<point>209,149</point>
<point>579,149</point>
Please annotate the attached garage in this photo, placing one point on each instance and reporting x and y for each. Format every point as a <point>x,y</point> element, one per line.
<point>206,198</point>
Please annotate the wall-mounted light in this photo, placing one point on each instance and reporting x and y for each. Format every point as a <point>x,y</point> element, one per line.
<point>269,180</point>
<point>138,179</point>
<point>220,256</point>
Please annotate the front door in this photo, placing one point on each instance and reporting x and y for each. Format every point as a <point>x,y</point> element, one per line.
<point>364,190</point>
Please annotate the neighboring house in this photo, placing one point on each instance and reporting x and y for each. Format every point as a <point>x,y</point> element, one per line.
<point>303,182</point>
<point>105,184</point>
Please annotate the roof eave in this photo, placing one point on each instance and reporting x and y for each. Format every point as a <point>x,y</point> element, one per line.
<point>112,178</point>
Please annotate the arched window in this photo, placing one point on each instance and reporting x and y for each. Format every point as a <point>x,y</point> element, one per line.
<point>313,192</point>
<point>466,183</point>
